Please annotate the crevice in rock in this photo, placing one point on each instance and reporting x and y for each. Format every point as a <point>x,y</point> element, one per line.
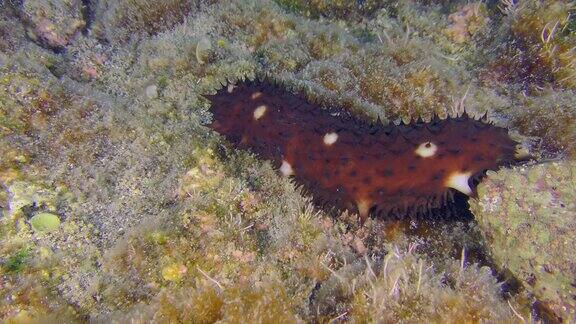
<point>88,12</point>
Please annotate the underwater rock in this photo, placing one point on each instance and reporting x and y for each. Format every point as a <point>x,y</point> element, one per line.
<point>466,22</point>
<point>551,117</point>
<point>118,21</point>
<point>45,222</point>
<point>12,31</point>
<point>346,10</point>
<point>53,23</point>
<point>544,30</point>
<point>25,195</point>
<point>528,216</point>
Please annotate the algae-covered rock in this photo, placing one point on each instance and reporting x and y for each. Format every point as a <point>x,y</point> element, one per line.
<point>466,22</point>
<point>45,222</point>
<point>162,221</point>
<point>11,30</point>
<point>551,117</point>
<point>27,195</point>
<point>349,10</point>
<point>53,23</point>
<point>545,31</point>
<point>528,216</point>
<point>407,289</point>
<point>265,303</point>
<point>119,20</point>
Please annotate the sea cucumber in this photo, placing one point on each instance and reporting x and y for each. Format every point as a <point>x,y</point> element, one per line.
<point>378,169</point>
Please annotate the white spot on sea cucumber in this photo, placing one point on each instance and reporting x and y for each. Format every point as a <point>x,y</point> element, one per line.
<point>459,181</point>
<point>330,138</point>
<point>259,112</point>
<point>286,169</point>
<point>256,95</point>
<point>426,149</point>
<point>231,88</point>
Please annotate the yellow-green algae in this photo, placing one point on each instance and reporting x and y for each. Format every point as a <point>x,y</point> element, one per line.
<point>528,216</point>
<point>45,222</point>
<point>163,221</point>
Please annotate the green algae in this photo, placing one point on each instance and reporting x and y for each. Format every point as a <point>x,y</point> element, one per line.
<point>17,261</point>
<point>45,222</point>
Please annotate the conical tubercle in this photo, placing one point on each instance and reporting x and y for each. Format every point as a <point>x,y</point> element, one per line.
<point>364,206</point>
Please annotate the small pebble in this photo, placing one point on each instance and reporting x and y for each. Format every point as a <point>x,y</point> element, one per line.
<point>152,92</point>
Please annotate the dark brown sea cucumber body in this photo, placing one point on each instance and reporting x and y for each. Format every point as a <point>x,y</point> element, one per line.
<point>351,164</point>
